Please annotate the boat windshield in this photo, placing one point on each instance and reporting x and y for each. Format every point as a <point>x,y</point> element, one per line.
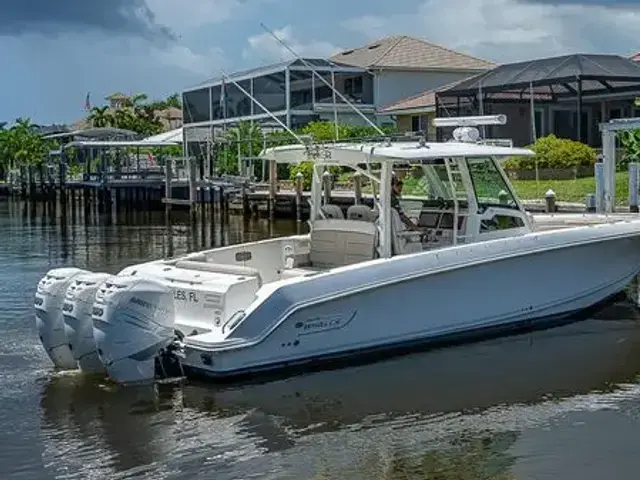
<point>422,182</point>
<point>490,187</point>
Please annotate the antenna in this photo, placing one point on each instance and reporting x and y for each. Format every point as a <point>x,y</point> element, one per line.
<point>312,68</point>
<point>278,121</point>
<point>473,121</point>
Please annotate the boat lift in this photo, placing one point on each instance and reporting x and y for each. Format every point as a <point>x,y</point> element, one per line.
<point>606,171</point>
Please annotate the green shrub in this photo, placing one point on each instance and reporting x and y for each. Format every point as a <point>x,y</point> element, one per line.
<point>554,152</point>
<point>630,143</point>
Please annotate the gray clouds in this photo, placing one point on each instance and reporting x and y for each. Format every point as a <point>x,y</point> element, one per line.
<point>53,17</point>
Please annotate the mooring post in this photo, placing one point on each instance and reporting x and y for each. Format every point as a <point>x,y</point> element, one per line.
<point>633,187</point>
<point>600,187</point>
<point>273,186</point>
<point>357,187</point>
<point>168,176</point>
<point>550,199</point>
<point>62,177</point>
<point>326,186</point>
<point>246,206</point>
<point>609,165</point>
<point>223,202</point>
<point>299,185</point>
<point>191,165</point>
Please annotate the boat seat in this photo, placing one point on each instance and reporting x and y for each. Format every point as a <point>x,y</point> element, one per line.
<point>360,212</point>
<point>403,241</point>
<point>337,243</point>
<point>332,211</point>
<point>220,268</point>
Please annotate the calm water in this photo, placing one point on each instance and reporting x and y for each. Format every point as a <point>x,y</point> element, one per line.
<point>560,404</point>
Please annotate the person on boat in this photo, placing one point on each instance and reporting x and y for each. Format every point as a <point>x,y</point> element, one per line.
<point>396,194</point>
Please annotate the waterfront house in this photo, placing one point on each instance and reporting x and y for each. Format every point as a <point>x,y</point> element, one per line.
<point>571,95</point>
<point>370,76</point>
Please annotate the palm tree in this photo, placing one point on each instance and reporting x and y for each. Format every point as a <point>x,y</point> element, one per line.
<point>100,117</point>
<point>174,101</point>
<point>147,120</point>
<point>137,99</point>
<point>124,118</point>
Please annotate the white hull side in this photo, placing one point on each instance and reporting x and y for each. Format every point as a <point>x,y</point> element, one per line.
<point>567,360</point>
<point>526,284</point>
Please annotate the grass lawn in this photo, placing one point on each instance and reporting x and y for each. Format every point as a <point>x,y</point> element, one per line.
<point>565,190</point>
<point>570,190</point>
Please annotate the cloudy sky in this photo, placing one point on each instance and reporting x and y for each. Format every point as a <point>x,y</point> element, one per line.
<point>54,52</point>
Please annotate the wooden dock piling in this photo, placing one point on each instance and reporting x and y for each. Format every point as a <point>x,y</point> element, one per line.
<point>357,188</point>
<point>299,191</point>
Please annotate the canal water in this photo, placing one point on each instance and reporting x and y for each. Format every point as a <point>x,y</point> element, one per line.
<point>559,404</point>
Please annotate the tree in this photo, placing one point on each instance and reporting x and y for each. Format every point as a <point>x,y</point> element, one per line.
<point>135,100</point>
<point>20,145</point>
<point>245,134</point>
<point>100,117</point>
<point>174,101</point>
<point>136,114</point>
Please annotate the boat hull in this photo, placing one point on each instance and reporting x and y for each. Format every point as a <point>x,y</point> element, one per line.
<point>507,287</point>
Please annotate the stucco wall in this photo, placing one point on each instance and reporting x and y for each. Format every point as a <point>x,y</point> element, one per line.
<point>393,86</point>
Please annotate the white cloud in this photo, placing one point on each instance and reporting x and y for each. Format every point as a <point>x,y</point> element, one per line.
<point>185,14</point>
<point>511,30</point>
<point>179,56</point>
<point>264,48</point>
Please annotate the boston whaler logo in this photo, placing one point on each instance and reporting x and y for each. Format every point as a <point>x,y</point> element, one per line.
<point>321,323</point>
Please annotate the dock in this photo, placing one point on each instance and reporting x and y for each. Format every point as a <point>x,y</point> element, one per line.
<point>184,184</point>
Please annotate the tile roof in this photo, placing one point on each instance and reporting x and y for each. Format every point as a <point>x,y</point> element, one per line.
<point>402,51</point>
<point>427,100</point>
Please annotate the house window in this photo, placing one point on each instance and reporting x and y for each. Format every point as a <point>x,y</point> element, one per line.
<point>419,123</point>
<point>615,113</point>
<point>353,86</point>
<point>415,123</point>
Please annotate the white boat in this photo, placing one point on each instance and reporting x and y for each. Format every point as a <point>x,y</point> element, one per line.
<point>359,283</point>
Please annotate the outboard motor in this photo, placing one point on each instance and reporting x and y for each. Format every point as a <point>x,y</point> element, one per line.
<point>48,302</point>
<point>78,324</point>
<point>133,320</point>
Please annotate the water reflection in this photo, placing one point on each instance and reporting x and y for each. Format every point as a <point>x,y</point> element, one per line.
<point>83,414</point>
<point>427,415</point>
